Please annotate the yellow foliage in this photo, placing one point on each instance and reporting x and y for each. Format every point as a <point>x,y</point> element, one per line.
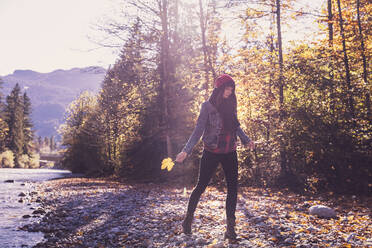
<point>167,163</point>
<point>214,242</point>
<point>346,245</point>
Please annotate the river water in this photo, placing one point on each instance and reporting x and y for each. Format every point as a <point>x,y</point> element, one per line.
<point>12,211</point>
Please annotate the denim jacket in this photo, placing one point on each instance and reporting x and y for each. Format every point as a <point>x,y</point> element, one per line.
<point>209,125</point>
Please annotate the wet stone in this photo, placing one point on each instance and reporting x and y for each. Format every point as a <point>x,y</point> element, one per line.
<point>143,216</point>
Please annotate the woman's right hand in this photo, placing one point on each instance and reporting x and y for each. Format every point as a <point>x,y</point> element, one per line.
<point>181,157</point>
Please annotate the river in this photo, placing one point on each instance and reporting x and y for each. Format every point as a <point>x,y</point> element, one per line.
<point>12,211</point>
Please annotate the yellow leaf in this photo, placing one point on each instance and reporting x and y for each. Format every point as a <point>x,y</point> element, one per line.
<point>167,163</point>
<point>300,230</point>
<point>214,242</point>
<point>170,166</point>
<point>163,164</point>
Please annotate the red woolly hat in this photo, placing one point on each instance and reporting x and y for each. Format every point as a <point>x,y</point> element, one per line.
<point>223,79</point>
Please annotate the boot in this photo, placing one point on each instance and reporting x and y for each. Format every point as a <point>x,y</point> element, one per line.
<point>230,230</point>
<point>186,224</point>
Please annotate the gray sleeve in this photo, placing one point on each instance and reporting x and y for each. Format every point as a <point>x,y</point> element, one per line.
<point>198,130</point>
<point>243,137</point>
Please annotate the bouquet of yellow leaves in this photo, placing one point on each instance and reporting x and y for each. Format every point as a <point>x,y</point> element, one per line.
<point>167,163</point>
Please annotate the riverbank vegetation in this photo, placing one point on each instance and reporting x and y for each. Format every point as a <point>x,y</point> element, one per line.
<point>306,102</point>
<point>19,147</point>
<point>16,134</point>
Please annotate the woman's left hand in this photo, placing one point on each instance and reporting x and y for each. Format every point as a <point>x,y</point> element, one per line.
<point>181,157</point>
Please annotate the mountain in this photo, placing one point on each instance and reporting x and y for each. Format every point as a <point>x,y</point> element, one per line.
<point>52,92</point>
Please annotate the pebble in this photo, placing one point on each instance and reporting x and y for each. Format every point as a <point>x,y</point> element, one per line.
<point>39,211</point>
<point>350,237</point>
<point>322,211</point>
<point>288,240</point>
<point>92,213</point>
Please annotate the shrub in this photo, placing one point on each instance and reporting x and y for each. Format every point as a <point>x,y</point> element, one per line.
<point>7,159</point>
<point>23,161</point>
<point>34,161</point>
<point>30,162</point>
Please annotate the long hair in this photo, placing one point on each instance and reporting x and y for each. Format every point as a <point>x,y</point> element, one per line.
<point>227,108</point>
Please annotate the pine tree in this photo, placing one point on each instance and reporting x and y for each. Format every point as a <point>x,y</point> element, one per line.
<point>39,143</point>
<point>27,125</point>
<point>126,91</point>
<point>14,118</point>
<point>46,141</point>
<point>51,143</point>
<point>3,124</point>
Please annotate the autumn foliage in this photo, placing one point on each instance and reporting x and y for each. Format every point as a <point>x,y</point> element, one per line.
<point>306,103</point>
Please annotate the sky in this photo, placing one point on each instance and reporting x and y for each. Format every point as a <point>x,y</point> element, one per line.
<point>45,35</point>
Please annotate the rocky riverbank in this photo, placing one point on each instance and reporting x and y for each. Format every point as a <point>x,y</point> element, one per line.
<point>80,212</point>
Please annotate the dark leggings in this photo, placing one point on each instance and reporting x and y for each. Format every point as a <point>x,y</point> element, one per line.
<point>208,164</point>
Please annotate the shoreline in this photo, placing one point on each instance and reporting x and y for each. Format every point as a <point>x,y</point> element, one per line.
<point>85,212</point>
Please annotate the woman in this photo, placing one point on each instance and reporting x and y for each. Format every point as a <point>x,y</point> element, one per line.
<point>219,125</point>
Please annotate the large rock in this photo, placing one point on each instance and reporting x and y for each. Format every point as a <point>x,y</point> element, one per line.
<point>322,211</point>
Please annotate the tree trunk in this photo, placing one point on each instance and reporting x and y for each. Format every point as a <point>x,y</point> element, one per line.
<point>164,75</point>
<point>346,63</point>
<point>271,73</point>
<point>283,163</point>
<point>280,84</point>
<point>365,71</point>
<point>330,23</point>
<point>205,52</point>
<point>269,91</point>
<point>211,67</point>
<point>330,43</point>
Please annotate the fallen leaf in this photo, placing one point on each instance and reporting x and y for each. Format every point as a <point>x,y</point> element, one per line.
<point>167,163</point>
